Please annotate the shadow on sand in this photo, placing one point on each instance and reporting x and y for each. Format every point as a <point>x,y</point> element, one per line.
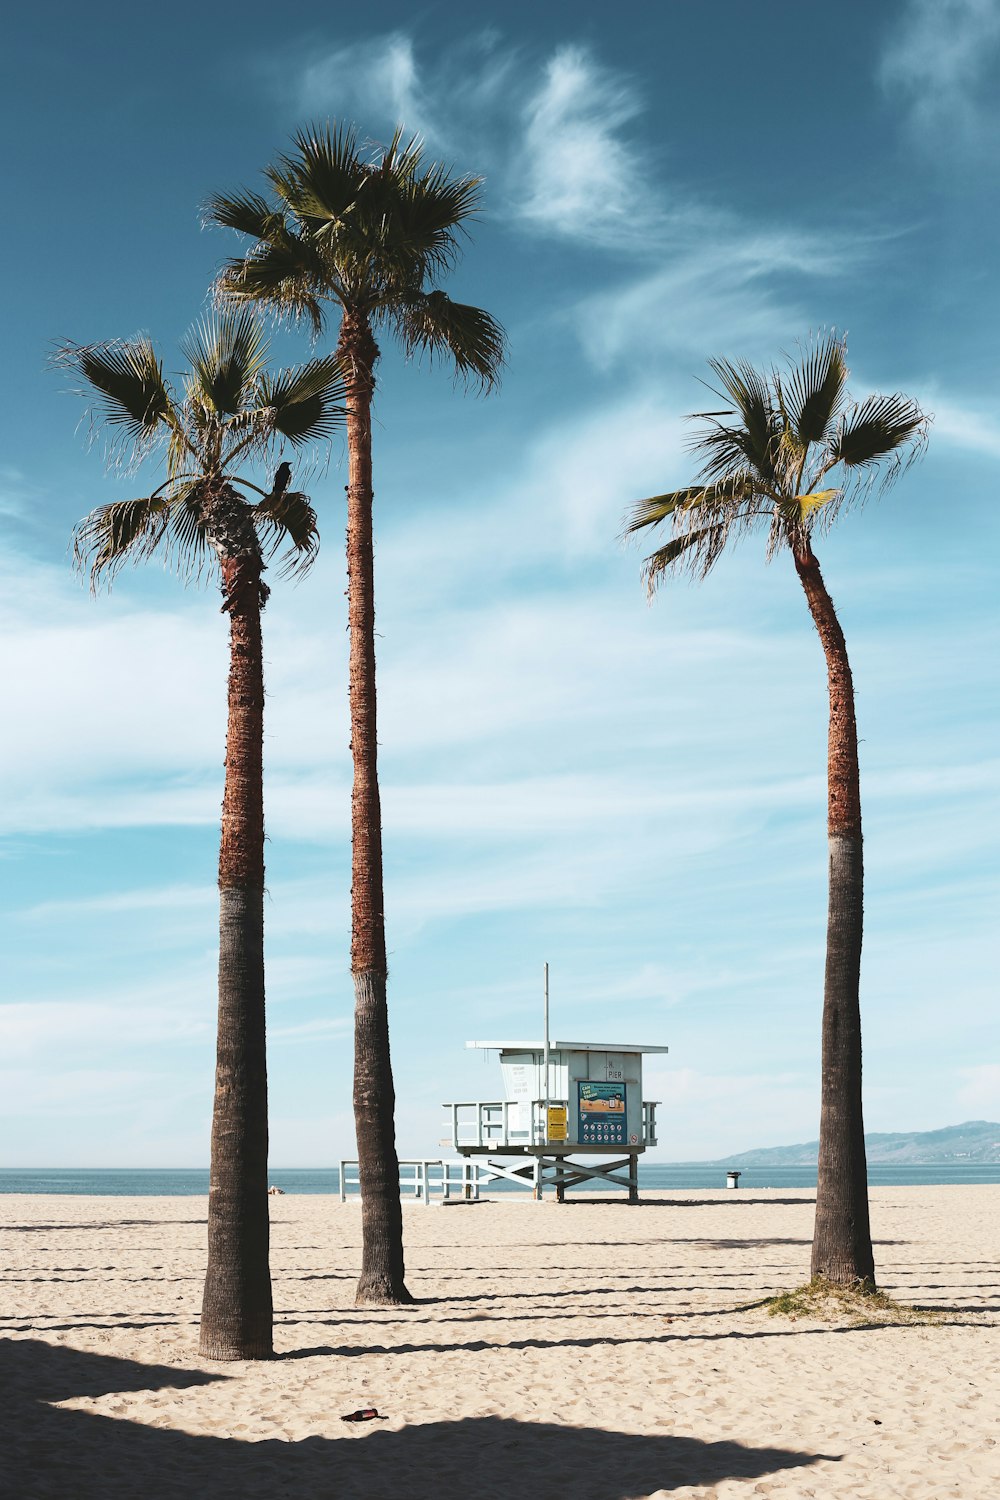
<point>52,1453</point>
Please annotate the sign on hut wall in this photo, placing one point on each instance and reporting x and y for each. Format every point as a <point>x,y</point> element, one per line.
<point>602,1113</point>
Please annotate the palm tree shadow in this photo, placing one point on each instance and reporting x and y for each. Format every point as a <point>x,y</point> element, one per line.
<point>53,1451</point>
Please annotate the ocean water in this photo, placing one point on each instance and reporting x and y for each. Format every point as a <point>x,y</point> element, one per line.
<point>185,1183</point>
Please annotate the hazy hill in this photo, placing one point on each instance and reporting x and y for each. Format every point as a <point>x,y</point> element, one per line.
<point>975,1141</point>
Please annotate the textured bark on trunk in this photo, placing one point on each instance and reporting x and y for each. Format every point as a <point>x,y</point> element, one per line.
<point>842,1245</point>
<point>382,1271</point>
<point>236,1318</point>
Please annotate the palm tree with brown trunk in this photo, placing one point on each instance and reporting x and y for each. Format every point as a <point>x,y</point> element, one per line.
<point>768,460</point>
<point>368,232</point>
<point>231,411</point>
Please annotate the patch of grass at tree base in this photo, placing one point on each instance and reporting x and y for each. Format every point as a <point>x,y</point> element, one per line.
<point>861,1305</point>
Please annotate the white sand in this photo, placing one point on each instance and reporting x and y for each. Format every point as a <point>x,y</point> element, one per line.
<point>592,1351</point>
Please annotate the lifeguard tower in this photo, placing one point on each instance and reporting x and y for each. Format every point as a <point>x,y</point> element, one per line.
<point>562,1100</point>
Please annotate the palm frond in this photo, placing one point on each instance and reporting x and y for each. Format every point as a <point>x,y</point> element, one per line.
<point>761,429</point>
<point>288,518</point>
<point>227,352</point>
<point>113,535</point>
<point>427,215</point>
<point>188,532</point>
<point>728,451</point>
<point>431,321</point>
<point>285,275</point>
<point>695,551</point>
<point>128,379</point>
<point>880,427</point>
<point>813,393</point>
<point>248,213</point>
<point>321,183</point>
<point>306,404</point>
<point>725,494</point>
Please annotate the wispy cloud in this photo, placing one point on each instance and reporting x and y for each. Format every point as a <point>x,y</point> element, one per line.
<point>739,288</point>
<point>379,73</point>
<point>584,178</point>
<point>971,425</point>
<point>942,63</point>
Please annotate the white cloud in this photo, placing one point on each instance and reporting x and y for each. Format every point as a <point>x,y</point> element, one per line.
<point>582,177</point>
<point>69,1030</point>
<point>379,74</point>
<point>728,291</point>
<point>973,426</point>
<point>942,62</point>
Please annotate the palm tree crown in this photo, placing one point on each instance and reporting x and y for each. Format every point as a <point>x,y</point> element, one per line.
<point>371,233</point>
<point>765,457</point>
<point>231,410</point>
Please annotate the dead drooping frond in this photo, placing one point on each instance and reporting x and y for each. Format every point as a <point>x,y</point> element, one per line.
<point>767,461</point>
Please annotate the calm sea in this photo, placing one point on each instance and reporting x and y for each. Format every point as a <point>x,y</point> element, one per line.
<point>128,1183</point>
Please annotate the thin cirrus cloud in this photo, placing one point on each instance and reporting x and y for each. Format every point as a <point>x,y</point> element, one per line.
<point>941,62</point>
<point>742,291</point>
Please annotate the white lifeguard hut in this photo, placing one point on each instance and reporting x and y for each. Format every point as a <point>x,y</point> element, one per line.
<point>562,1100</point>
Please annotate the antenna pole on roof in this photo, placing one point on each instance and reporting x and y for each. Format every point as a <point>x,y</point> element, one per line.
<point>546,1137</point>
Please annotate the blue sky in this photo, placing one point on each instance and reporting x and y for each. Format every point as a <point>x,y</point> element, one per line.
<point>634,792</point>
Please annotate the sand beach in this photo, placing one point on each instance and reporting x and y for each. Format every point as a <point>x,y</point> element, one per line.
<point>591,1350</point>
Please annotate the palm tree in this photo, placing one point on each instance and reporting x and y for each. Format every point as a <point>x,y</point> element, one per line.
<point>369,234</point>
<point>764,459</point>
<point>231,410</point>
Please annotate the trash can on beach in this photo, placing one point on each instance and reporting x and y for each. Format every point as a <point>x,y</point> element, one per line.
<point>732,1179</point>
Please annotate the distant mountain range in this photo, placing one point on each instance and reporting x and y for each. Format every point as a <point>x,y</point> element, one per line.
<point>975,1141</point>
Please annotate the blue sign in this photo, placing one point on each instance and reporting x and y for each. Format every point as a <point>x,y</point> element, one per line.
<point>602,1114</point>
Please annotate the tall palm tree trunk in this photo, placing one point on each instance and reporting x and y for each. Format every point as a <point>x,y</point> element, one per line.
<point>842,1245</point>
<point>236,1319</point>
<point>382,1271</point>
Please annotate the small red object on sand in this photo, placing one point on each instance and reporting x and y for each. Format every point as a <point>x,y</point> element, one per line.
<point>366,1414</point>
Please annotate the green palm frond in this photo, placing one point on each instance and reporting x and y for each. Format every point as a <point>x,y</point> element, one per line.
<point>321,183</point>
<point>248,213</point>
<point>695,551</point>
<point>288,520</point>
<point>113,535</point>
<point>283,274</point>
<point>428,214</point>
<point>813,393</point>
<point>128,379</point>
<point>189,532</point>
<point>878,427</point>
<point>227,352</point>
<point>473,340</point>
<point>755,406</point>
<point>726,494</point>
<point>306,404</point>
